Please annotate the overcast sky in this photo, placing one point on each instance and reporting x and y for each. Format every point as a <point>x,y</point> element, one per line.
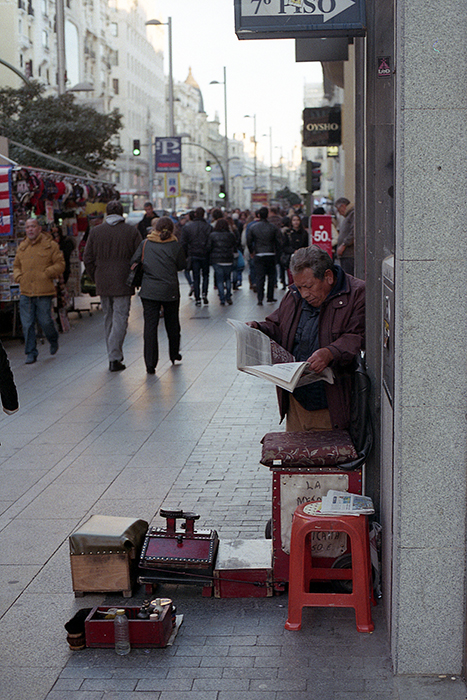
<point>262,76</point>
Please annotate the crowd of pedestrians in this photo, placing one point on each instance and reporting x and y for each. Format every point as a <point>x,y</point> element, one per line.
<point>261,242</point>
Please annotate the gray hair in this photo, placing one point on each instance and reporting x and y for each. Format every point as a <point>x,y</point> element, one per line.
<point>341,200</point>
<point>314,258</point>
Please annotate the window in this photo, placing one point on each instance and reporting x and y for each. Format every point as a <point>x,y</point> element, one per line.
<point>114,28</point>
<point>45,39</point>
<point>45,8</point>
<point>115,85</point>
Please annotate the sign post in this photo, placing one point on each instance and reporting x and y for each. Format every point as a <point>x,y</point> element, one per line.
<point>169,154</point>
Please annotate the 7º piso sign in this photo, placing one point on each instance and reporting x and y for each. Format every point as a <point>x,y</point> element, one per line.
<point>267,19</point>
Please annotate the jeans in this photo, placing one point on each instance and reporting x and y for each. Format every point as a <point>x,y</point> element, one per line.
<point>222,275</point>
<point>32,309</point>
<point>198,266</point>
<point>151,309</point>
<point>265,266</point>
<point>116,311</point>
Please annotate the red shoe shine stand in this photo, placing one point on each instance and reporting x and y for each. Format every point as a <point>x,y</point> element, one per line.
<point>302,571</point>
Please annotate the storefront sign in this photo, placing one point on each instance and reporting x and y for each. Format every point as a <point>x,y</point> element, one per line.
<point>288,19</point>
<point>322,126</point>
<point>169,154</point>
<point>321,232</point>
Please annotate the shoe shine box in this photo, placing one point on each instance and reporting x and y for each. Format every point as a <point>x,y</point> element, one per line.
<point>143,633</point>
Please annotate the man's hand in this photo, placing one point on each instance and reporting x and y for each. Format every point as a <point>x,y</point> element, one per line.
<point>340,249</point>
<point>320,360</point>
<point>252,324</point>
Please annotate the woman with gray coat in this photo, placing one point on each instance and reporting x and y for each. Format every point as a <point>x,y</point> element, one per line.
<point>162,257</point>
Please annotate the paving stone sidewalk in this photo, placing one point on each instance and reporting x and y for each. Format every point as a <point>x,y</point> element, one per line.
<point>87,441</point>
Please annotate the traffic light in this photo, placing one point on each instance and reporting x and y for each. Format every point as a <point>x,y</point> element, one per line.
<point>313,176</point>
<point>222,193</point>
<point>207,167</point>
<point>136,147</point>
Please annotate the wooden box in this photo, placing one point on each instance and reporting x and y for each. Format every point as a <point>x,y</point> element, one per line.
<point>104,554</point>
<point>243,569</point>
<point>143,633</point>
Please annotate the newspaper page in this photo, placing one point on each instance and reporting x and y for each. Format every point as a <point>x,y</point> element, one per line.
<point>343,503</point>
<point>258,355</point>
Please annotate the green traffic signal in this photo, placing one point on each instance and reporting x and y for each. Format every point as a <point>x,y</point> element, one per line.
<point>207,167</point>
<point>222,192</point>
<point>136,147</point>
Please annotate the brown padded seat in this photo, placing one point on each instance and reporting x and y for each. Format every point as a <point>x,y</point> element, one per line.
<point>307,449</point>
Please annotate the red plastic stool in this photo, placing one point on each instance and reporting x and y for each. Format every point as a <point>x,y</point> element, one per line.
<point>302,571</point>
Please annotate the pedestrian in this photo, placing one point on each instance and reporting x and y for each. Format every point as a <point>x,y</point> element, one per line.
<point>345,242</point>
<point>321,320</point>
<point>145,224</point>
<point>294,237</point>
<point>195,243</point>
<point>8,392</point>
<point>162,257</point>
<point>264,243</point>
<point>222,248</point>
<point>66,245</point>
<point>107,256</point>
<point>38,263</point>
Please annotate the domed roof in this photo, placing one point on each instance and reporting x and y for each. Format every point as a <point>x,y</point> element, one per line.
<point>192,83</point>
<point>190,80</point>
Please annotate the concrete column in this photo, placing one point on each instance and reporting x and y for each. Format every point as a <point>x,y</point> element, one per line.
<point>430,398</point>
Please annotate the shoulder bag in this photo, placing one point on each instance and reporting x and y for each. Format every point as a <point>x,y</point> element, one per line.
<point>135,276</point>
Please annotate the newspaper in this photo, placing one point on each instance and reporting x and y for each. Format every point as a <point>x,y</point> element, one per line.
<point>262,357</point>
<point>343,503</point>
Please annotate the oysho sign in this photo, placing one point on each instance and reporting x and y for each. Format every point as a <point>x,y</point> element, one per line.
<point>322,126</point>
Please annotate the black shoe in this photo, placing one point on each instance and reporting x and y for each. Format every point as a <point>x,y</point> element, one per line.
<point>229,302</point>
<point>192,291</point>
<point>205,300</point>
<point>198,302</point>
<point>260,303</point>
<point>54,348</point>
<point>116,366</point>
<point>271,301</point>
<point>151,370</point>
<point>178,358</point>
<point>30,360</point>
<point>222,303</point>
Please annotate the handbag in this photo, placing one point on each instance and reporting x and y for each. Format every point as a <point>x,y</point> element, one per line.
<point>135,276</point>
<point>87,286</point>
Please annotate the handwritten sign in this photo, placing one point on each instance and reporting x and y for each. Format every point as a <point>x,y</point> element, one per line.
<point>304,488</point>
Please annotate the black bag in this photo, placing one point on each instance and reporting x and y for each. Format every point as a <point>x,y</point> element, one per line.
<point>135,276</point>
<point>285,260</point>
<point>87,286</point>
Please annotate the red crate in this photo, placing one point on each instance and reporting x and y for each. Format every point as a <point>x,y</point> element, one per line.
<point>143,633</point>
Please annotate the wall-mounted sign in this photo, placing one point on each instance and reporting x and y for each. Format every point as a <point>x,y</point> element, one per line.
<point>169,154</point>
<point>384,66</point>
<point>288,19</point>
<point>322,126</point>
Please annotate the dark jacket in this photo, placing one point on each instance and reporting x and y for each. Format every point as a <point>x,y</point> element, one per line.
<point>263,237</point>
<point>8,393</point>
<point>145,223</point>
<point>346,232</point>
<point>161,263</point>
<point>222,247</point>
<point>292,240</point>
<point>341,330</point>
<point>107,256</point>
<point>195,238</point>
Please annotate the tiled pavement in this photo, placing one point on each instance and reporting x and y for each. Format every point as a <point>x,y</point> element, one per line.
<point>87,441</point>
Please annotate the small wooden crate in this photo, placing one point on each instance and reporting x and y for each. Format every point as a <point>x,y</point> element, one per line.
<point>104,554</point>
<point>243,569</point>
<point>143,633</point>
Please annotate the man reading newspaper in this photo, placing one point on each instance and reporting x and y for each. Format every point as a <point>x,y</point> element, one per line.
<point>321,320</point>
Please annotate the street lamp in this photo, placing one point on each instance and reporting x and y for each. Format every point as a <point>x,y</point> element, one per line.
<point>250,116</point>
<point>270,158</point>
<point>226,147</point>
<point>168,24</point>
